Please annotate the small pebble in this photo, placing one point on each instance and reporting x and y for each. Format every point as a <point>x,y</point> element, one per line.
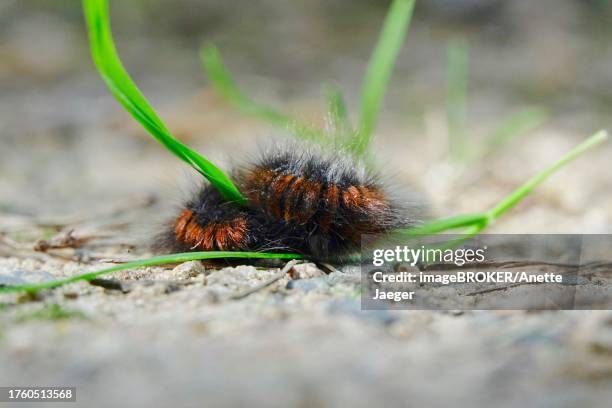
<point>305,271</point>
<point>188,270</point>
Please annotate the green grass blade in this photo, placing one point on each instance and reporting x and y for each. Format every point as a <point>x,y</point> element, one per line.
<point>520,193</point>
<point>456,97</point>
<point>379,70</point>
<point>445,224</point>
<point>127,93</point>
<point>339,121</point>
<point>336,107</point>
<point>477,222</point>
<point>225,85</point>
<point>158,260</point>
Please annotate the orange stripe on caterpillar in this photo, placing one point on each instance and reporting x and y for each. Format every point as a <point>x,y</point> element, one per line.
<point>292,199</point>
<point>371,204</point>
<point>219,236</point>
<point>351,198</point>
<point>364,199</point>
<point>310,200</point>
<point>222,235</point>
<point>278,188</point>
<point>181,224</point>
<point>331,207</point>
<point>258,181</point>
<point>238,231</point>
<point>230,235</point>
<point>373,199</point>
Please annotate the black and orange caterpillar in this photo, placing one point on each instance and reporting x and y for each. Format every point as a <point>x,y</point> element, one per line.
<point>300,200</point>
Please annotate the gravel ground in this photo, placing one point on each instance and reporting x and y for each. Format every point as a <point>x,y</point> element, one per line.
<point>72,164</point>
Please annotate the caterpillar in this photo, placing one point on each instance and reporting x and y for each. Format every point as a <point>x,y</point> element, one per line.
<point>301,199</point>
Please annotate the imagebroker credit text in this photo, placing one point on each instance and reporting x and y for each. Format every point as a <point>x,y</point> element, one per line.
<point>467,277</point>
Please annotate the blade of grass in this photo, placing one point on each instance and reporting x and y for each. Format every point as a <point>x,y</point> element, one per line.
<point>520,193</point>
<point>446,224</point>
<point>158,260</point>
<point>379,70</point>
<point>339,123</point>
<point>224,84</point>
<point>337,110</point>
<point>456,97</point>
<point>478,222</point>
<point>127,93</point>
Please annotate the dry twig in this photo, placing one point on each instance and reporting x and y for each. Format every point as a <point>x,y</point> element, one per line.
<point>288,266</point>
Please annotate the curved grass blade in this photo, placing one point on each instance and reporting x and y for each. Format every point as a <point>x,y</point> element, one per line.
<point>337,106</point>
<point>379,70</point>
<point>225,85</point>
<point>158,260</point>
<point>127,93</point>
<point>520,193</point>
<point>475,223</point>
<point>445,224</point>
<point>338,115</point>
<point>478,222</point>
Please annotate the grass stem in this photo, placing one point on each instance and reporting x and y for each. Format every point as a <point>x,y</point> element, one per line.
<point>520,193</point>
<point>158,260</point>
<point>127,93</point>
<point>378,72</point>
<point>225,85</point>
<point>479,221</point>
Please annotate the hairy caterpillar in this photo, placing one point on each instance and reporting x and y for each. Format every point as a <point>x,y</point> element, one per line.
<point>301,199</point>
